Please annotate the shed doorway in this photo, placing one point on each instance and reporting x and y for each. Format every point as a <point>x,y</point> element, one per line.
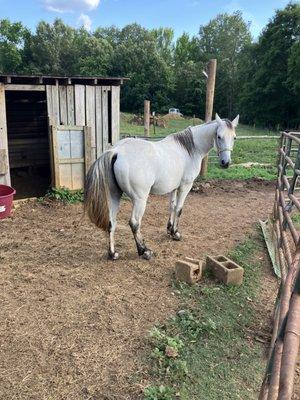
<point>28,142</point>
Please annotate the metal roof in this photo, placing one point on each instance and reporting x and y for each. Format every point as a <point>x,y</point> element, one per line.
<point>63,80</point>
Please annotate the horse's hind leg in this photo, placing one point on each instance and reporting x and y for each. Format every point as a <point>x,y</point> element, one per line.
<point>114,207</point>
<point>138,210</point>
<point>172,206</point>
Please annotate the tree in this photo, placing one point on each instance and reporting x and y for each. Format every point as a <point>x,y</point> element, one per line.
<point>135,56</point>
<point>189,94</point>
<point>12,36</point>
<point>224,38</point>
<point>164,43</point>
<point>272,72</point>
<point>58,49</point>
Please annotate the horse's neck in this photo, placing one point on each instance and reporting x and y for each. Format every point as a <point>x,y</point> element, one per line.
<point>203,136</point>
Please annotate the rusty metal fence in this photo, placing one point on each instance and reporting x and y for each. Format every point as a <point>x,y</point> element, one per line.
<point>279,378</point>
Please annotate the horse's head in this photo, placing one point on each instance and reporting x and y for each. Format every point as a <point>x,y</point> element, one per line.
<point>225,139</point>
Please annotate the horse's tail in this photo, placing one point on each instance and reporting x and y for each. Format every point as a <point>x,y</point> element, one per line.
<point>100,180</point>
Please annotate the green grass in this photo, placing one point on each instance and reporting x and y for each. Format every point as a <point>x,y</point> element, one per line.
<point>65,195</point>
<point>217,357</point>
<point>172,126</point>
<point>256,151</point>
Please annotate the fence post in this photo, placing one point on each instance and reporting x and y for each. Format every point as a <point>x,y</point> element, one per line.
<point>147,117</point>
<point>210,92</point>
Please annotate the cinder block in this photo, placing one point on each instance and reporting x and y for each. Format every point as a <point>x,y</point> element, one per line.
<point>225,270</point>
<point>197,262</point>
<point>188,272</point>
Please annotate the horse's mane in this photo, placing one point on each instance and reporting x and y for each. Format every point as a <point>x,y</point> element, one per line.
<point>185,139</point>
<point>226,120</point>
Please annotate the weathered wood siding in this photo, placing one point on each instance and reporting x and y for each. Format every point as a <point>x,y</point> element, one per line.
<point>87,105</point>
<point>4,173</point>
<point>115,114</point>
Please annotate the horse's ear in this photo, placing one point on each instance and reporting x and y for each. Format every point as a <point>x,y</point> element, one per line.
<point>218,119</point>
<point>236,121</point>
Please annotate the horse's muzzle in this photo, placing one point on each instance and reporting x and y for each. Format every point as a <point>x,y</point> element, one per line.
<point>224,164</point>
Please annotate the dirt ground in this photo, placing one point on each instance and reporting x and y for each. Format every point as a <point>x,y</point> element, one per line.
<point>74,325</point>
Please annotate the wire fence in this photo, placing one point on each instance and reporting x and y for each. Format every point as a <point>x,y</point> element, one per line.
<point>248,150</point>
<point>279,378</point>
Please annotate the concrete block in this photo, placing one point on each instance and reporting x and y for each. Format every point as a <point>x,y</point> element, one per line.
<point>225,270</point>
<point>188,272</point>
<point>196,261</point>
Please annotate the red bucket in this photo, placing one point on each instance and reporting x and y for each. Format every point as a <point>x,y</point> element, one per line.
<point>6,199</point>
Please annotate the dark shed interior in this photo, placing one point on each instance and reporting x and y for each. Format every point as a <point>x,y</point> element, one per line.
<point>28,142</point>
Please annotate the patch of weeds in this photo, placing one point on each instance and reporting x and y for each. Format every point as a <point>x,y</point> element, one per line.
<point>65,195</point>
<point>159,393</point>
<point>296,219</point>
<point>212,336</point>
<point>167,353</point>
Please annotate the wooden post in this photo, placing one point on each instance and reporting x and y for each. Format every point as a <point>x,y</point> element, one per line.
<point>210,92</point>
<point>147,118</point>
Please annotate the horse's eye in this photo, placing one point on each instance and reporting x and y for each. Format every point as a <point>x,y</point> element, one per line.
<point>219,137</point>
<point>234,138</point>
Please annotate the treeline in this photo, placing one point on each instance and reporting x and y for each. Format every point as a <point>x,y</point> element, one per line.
<point>258,79</point>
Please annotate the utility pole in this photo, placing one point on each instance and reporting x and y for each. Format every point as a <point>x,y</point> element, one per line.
<point>210,93</point>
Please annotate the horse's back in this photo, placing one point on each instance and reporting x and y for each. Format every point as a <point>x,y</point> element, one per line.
<point>143,166</point>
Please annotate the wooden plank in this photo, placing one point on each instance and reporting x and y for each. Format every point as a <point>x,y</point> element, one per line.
<point>87,148</point>
<point>115,114</point>
<point>77,176</point>
<point>63,144</point>
<point>65,176</point>
<point>79,104</point>
<point>49,105</point>
<point>70,128</point>
<point>56,170</point>
<point>4,178</point>
<point>99,131</point>
<point>15,87</point>
<point>91,116</point>
<point>55,104</point>
<point>70,105</point>
<point>105,118</point>
<point>77,144</point>
<point>62,90</point>
<point>3,162</point>
<point>72,161</point>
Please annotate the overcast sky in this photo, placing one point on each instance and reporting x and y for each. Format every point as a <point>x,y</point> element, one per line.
<point>181,15</point>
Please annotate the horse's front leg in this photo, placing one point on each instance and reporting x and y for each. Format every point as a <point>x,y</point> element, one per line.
<point>138,210</point>
<point>182,192</point>
<point>172,206</point>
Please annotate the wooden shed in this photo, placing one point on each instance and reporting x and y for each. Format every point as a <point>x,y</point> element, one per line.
<point>52,128</point>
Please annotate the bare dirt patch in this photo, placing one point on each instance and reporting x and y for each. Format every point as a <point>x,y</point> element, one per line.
<point>72,324</point>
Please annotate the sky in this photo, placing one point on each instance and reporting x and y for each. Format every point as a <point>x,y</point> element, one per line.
<point>181,15</point>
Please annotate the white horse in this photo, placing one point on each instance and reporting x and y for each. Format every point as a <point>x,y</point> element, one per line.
<point>139,167</point>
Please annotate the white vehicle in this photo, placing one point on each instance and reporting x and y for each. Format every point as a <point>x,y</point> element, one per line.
<point>175,111</point>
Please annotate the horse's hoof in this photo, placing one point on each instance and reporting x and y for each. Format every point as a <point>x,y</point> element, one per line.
<point>176,236</point>
<point>147,254</point>
<point>114,256</point>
